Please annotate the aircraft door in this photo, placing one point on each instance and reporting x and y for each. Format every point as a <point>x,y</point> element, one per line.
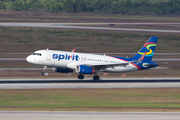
<point>48,55</point>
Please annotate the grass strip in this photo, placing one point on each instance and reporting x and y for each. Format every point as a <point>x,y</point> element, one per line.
<point>30,39</point>
<point>142,99</point>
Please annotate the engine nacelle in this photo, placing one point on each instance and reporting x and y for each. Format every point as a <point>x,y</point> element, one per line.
<point>63,70</point>
<point>84,69</point>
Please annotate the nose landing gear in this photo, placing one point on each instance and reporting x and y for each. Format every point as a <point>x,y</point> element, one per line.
<point>44,71</point>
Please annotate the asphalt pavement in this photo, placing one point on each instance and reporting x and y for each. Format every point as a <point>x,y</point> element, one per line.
<point>88,115</point>
<point>75,26</point>
<point>70,83</point>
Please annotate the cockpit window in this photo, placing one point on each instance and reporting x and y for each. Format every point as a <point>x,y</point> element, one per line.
<point>38,54</point>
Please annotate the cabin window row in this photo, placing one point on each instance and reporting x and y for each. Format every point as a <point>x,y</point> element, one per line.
<point>102,60</point>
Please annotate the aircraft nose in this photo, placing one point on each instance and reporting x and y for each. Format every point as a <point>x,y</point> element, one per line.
<point>29,59</point>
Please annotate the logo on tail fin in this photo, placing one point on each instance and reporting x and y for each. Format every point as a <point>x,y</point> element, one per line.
<point>148,45</point>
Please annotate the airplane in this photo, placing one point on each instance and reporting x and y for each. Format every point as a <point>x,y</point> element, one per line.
<point>83,63</point>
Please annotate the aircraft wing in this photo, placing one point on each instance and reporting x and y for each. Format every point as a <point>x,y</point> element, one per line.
<point>103,66</point>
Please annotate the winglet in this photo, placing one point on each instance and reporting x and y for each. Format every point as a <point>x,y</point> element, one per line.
<point>73,50</point>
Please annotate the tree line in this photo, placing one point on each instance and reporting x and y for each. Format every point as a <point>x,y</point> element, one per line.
<point>157,7</point>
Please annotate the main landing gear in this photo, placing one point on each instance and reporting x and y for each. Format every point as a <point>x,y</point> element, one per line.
<point>81,76</point>
<point>95,77</point>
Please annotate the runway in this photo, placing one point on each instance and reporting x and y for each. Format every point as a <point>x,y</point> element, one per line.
<point>74,83</point>
<point>67,26</point>
<point>76,115</point>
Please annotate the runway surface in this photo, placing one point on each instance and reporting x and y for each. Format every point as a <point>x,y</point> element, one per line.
<point>67,25</point>
<point>65,115</point>
<point>89,83</point>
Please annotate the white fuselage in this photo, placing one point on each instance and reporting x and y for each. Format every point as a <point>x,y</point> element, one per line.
<point>70,60</point>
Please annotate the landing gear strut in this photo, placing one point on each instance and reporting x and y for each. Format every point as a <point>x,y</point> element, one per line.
<point>81,76</point>
<point>44,71</point>
<point>96,77</point>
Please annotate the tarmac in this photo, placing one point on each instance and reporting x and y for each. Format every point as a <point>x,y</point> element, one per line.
<point>88,115</point>
<point>74,83</point>
<point>75,26</point>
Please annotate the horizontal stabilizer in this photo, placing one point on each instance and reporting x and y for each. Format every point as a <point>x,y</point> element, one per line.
<point>153,64</point>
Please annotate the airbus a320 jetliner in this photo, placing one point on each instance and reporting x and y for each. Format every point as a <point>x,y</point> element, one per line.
<point>83,63</point>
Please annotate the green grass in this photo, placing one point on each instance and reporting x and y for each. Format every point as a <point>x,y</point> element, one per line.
<point>111,16</point>
<point>14,39</point>
<point>79,17</point>
<point>94,99</point>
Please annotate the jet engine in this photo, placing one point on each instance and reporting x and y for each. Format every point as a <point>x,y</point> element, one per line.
<point>84,69</point>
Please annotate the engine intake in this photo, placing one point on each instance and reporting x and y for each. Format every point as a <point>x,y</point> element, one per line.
<point>84,69</point>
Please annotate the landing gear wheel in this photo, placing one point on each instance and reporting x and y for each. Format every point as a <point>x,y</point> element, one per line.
<point>44,73</point>
<point>81,76</point>
<point>96,77</point>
